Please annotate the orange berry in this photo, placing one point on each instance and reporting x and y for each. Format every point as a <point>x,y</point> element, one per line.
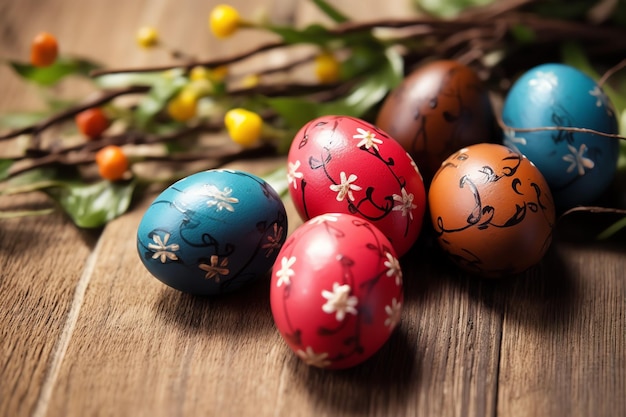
<point>112,162</point>
<point>44,50</point>
<point>92,122</point>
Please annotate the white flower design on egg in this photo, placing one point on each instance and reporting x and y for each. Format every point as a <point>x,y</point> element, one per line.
<point>394,313</point>
<point>310,357</point>
<point>339,301</point>
<point>577,160</point>
<point>221,199</point>
<point>368,139</point>
<point>285,272</point>
<point>162,249</point>
<point>406,203</point>
<point>345,187</point>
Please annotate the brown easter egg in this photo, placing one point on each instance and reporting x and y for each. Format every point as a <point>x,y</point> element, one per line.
<point>491,210</point>
<point>439,108</point>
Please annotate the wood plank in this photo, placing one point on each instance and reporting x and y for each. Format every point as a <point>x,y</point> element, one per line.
<point>41,264</point>
<point>143,349</point>
<point>564,336</point>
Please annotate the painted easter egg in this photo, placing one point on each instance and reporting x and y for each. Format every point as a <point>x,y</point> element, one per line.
<point>438,108</point>
<point>341,164</point>
<point>212,232</point>
<point>336,291</point>
<point>578,166</point>
<point>491,210</point>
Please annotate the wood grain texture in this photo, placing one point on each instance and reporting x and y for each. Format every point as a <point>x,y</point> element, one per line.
<point>564,336</point>
<point>41,264</point>
<point>86,331</point>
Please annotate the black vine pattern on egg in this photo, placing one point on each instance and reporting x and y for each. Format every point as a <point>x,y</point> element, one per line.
<point>215,265</point>
<point>438,109</point>
<point>366,207</point>
<point>481,216</point>
<point>357,307</point>
<point>458,118</point>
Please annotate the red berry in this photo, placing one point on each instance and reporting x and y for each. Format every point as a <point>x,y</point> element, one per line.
<point>92,122</point>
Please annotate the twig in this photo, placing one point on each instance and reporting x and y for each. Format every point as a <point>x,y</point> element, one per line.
<point>209,63</point>
<point>609,73</point>
<point>66,114</point>
<point>504,126</point>
<point>85,152</point>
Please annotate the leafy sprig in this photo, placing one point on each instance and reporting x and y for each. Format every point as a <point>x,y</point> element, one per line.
<point>174,113</point>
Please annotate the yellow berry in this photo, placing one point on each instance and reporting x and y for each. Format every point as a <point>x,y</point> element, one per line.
<point>198,73</point>
<point>224,20</point>
<point>147,37</point>
<point>244,126</point>
<point>183,106</point>
<point>327,68</point>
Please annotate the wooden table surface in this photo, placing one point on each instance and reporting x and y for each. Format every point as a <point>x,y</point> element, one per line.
<point>85,330</point>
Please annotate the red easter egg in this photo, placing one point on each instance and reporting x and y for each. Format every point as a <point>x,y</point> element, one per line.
<point>341,164</point>
<point>336,291</point>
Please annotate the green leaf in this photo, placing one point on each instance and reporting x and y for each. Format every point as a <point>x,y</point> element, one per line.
<point>17,120</point>
<point>373,89</point>
<point>315,34</point>
<point>161,92</point>
<point>448,8</point>
<point>613,229</point>
<point>369,92</point>
<point>331,11</point>
<point>47,76</point>
<point>295,111</point>
<point>523,34</point>
<point>93,205</point>
<point>5,166</point>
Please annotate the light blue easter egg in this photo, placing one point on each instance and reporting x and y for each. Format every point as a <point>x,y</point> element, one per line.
<point>212,232</point>
<point>578,166</point>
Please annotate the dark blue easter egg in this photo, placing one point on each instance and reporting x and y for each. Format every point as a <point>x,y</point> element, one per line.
<point>578,166</point>
<point>212,232</point>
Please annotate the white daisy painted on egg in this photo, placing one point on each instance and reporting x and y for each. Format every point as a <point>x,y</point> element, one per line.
<point>285,272</point>
<point>216,268</point>
<point>602,100</point>
<point>339,301</point>
<point>577,159</point>
<point>221,199</point>
<point>293,175</point>
<point>394,269</point>
<point>345,187</point>
<point>368,139</point>
<point>394,313</point>
<point>162,249</point>
<point>312,358</point>
<point>406,205</point>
